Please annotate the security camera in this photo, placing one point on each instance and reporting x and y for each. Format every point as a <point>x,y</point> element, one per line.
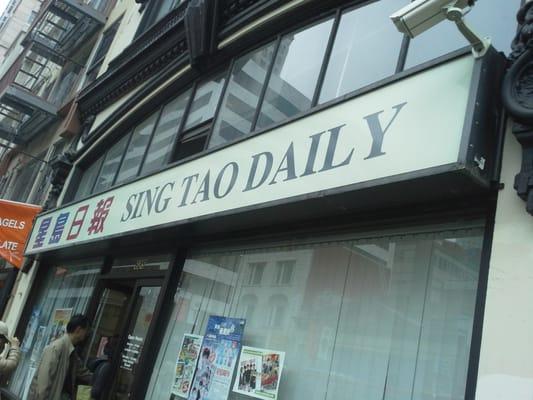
<point>420,15</point>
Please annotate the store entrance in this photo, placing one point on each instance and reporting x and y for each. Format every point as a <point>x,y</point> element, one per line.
<point>123,317</point>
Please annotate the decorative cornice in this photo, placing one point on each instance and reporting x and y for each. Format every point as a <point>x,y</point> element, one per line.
<point>233,9</point>
<point>167,40</point>
<point>61,166</point>
<point>147,55</point>
<point>159,46</point>
<point>517,96</point>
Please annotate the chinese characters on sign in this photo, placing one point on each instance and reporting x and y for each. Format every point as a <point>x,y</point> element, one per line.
<point>95,225</point>
<point>218,355</point>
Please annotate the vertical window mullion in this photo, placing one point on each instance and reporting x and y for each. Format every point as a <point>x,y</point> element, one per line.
<point>154,129</point>
<point>98,173</point>
<point>123,155</point>
<point>219,105</point>
<point>265,84</point>
<point>327,56</point>
<point>181,125</point>
<point>403,54</point>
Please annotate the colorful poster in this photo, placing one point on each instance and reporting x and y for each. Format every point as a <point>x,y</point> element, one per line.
<point>186,364</point>
<point>218,356</point>
<point>59,322</point>
<point>32,329</point>
<point>258,372</point>
<point>39,344</point>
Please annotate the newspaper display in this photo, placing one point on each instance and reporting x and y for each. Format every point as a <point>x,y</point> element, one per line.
<point>258,373</point>
<point>186,364</point>
<point>218,356</point>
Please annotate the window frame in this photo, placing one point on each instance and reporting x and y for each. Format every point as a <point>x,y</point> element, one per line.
<point>207,127</point>
<point>96,63</point>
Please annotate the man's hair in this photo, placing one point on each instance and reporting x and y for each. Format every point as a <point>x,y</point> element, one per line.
<point>76,321</point>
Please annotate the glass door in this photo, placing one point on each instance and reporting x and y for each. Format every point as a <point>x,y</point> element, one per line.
<point>140,318</point>
<point>124,314</point>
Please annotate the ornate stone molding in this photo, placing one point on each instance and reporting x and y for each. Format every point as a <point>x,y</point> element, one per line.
<point>517,96</point>
<point>144,58</point>
<point>61,166</point>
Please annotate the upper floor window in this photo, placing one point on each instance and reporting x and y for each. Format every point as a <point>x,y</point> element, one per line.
<point>492,18</point>
<point>365,50</point>
<point>149,145</point>
<point>294,76</point>
<point>155,10</point>
<point>101,51</point>
<point>281,79</point>
<point>254,274</point>
<point>284,272</point>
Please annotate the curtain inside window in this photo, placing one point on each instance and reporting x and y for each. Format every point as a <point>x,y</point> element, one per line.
<point>377,319</point>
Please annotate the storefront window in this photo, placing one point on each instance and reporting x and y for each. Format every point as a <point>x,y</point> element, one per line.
<point>66,291</point>
<point>385,318</point>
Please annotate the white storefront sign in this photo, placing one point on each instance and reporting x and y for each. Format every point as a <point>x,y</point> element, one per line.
<point>407,126</point>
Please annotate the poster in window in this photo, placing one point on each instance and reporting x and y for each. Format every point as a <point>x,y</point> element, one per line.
<point>60,320</point>
<point>186,364</point>
<point>31,331</point>
<point>218,356</point>
<point>258,372</point>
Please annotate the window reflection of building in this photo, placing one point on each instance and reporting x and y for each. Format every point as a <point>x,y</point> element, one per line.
<point>284,271</point>
<point>247,306</point>
<point>277,309</point>
<point>255,272</point>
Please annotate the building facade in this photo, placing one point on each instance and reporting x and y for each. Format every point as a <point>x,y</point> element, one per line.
<point>300,165</point>
<point>14,23</point>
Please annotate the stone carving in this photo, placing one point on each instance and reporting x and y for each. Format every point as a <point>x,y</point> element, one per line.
<point>517,96</point>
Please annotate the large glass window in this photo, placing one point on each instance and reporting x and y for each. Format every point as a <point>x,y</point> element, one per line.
<point>110,165</point>
<point>193,138</point>
<point>388,318</point>
<point>205,101</point>
<point>66,291</point>
<point>156,10</point>
<point>492,18</point>
<point>242,95</point>
<point>351,49</point>
<point>164,135</point>
<point>366,49</point>
<point>292,82</point>
<point>136,149</point>
<point>101,51</point>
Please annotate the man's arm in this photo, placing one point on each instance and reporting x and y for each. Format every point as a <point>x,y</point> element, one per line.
<point>9,363</point>
<point>83,375</point>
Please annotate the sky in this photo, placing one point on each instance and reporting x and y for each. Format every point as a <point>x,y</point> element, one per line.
<point>3,4</point>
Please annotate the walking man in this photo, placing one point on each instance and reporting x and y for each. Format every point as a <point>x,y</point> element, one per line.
<point>61,369</point>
